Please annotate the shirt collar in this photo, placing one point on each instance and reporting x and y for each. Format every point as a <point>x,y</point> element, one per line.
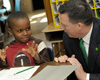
<point>87,37</point>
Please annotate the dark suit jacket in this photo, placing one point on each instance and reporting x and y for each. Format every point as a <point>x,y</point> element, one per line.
<point>72,46</point>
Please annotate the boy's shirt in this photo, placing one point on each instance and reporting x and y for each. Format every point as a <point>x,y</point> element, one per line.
<point>16,57</point>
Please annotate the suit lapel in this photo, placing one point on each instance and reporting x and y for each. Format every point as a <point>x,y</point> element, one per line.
<point>94,41</point>
<point>92,55</point>
<point>79,55</point>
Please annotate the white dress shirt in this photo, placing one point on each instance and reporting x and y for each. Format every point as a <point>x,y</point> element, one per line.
<point>86,43</point>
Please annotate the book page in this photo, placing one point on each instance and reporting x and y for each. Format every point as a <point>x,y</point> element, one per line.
<point>25,73</point>
<point>55,72</point>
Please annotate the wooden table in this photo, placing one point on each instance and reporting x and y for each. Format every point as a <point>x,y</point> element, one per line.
<point>49,63</point>
<point>44,65</point>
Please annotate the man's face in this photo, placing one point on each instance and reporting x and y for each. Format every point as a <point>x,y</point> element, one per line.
<point>21,30</point>
<point>71,29</point>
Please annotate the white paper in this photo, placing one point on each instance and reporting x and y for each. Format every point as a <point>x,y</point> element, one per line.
<point>55,72</point>
<point>9,74</point>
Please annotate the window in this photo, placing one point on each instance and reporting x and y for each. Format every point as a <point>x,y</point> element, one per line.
<point>7,4</point>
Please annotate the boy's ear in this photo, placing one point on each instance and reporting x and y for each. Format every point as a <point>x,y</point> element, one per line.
<point>10,31</point>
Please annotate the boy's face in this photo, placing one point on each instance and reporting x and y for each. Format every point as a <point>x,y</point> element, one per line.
<point>21,30</point>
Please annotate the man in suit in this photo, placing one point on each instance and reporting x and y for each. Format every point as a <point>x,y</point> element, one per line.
<point>79,24</point>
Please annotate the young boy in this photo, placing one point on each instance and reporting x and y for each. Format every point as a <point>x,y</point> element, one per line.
<point>24,50</point>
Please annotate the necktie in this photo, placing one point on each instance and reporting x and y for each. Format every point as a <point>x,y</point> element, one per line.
<point>83,50</point>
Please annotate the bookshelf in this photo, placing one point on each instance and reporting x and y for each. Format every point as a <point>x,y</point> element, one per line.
<point>54,4</point>
<point>53,34</point>
<point>95,7</point>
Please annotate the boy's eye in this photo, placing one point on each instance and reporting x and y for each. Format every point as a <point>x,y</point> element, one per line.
<point>19,31</point>
<point>28,28</point>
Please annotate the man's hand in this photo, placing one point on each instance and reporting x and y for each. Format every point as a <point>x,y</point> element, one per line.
<point>61,59</point>
<point>80,74</point>
<point>32,49</point>
<point>3,53</point>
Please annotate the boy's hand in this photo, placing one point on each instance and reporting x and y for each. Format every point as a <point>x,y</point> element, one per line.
<point>32,49</point>
<point>3,53</point>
